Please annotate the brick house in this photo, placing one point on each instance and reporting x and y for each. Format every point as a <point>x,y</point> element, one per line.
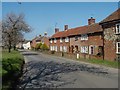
<point>111,28</point>
<point>40,39</point>
<point>59,42</point>
<point>85,40</point>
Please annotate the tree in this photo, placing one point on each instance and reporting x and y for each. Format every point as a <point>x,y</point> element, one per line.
<point>44,47</point>
<point>38,46</point>
<point>13,27</point>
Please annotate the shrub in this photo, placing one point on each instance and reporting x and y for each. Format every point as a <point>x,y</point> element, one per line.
<point>38,46</point>
<point>44,47</point>
<point>11,67</point>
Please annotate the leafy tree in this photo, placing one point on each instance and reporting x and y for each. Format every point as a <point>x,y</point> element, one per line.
<point>38,46</point>
<point>44,47</point>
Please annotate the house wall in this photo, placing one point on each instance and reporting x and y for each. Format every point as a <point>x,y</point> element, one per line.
<point>94,39</point>
<point>58,44</point>
<point>46,41</point>
<point>110,39</point>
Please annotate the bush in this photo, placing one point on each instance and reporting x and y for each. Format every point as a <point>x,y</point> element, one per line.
<point>44,47</point>
<point>38,46</point>
<point>11,67</point>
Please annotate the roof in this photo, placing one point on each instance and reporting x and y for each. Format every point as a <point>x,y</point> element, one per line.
<point>114,16</point>
<point>79,30</point>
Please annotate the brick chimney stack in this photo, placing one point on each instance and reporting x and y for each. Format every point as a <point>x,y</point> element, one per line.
<point>65,27</point>
<point>91,21</point>
<point>56,30</point>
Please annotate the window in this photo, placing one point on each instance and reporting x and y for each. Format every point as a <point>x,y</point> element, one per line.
<point>55,40</point>
<point>61,40</point>
<point>55,48</point>
<point>61,48</point>
<point>76,38</point>
<point>118,47</point>
<point>66,39</point>
<point>84,49</point>
<point>65,48</point>
<point>84,37</point>
<point>117,28</point>
<point>51,41</point>
<point>51,48</point>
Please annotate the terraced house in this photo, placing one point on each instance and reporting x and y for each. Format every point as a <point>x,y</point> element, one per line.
<point>111,28</point>
<point>95,40</point>
<point>85,40</point>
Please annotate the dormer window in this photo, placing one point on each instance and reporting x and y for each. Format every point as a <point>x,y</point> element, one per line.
<point>84,37</point>
<point>51,41</point>
<point>66,39</point>
<point>55,40</point>
<point>61,40</point>
<point>117,31</point>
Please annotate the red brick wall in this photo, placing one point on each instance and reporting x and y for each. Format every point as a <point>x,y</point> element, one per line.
<point>58,44</point>
<point>93,39</point>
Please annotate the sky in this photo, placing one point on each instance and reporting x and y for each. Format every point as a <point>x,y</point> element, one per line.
<point>44,16</point>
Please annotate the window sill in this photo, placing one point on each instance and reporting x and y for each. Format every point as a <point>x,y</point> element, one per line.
<point>117,33</point>
<point>118,53</point>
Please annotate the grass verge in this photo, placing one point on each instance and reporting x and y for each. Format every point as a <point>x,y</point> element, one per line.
<point>113,64</point>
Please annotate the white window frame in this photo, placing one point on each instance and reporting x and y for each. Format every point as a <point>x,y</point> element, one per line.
<point>116,31</point>
<point>61,40</point>
<point>51,41</point>
<point>65,48</point>
<point>84,49</point>
<point>55,40</point>
<point>117,47</point>
<point>61,48</point>
<point>84,37</point>
<point>67,39</point>
<point>55,48</point>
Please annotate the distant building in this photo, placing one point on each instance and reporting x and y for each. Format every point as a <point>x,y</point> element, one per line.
<point>27,45</point>
<point>40,39</point>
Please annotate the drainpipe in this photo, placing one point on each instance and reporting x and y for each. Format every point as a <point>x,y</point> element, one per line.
<point>103,43</point>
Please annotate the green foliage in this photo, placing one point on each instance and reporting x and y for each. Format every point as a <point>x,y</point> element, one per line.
<point>44,47</point>
<point>11,66</point>
<point>38,46</point>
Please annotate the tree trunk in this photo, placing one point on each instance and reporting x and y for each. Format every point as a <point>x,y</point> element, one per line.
<point>14,47</point>
<point>9,49</point>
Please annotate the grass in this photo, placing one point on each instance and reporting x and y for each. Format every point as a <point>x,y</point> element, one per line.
<point>11,67</point>
<point>113,64</point>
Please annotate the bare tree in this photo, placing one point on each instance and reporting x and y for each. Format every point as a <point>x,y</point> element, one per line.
<point>13,27</point>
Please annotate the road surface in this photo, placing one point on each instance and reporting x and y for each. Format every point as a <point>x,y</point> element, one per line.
<point>48,71</point>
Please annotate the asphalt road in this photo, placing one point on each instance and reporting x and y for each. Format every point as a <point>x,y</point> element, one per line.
<point>42,70</point>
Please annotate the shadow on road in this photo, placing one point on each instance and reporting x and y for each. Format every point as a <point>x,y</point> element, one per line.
<point>46,74</point>
<point>29,54</point>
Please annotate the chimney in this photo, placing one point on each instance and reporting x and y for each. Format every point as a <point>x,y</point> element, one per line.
<point>56,30</point>
<point>65,27</point>
<point>45,34</point>
<point>91,21</point>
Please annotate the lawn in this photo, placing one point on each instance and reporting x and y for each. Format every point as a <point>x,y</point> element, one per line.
<point>11,67</point>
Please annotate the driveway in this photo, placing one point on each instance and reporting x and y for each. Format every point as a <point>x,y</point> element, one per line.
<point>46,71</point>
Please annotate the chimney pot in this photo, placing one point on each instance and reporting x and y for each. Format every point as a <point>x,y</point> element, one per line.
<point>56,30</point>
<point>65,27</point>
<point>91,21</point>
